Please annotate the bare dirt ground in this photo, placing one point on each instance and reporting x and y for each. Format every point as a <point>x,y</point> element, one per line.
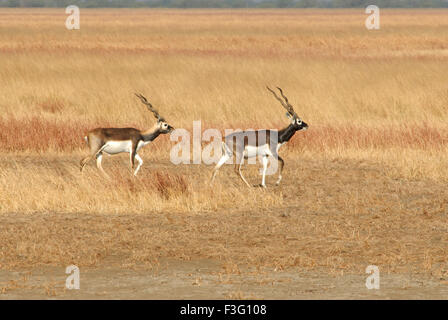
<point>336,218</point>
<point>203,279</point>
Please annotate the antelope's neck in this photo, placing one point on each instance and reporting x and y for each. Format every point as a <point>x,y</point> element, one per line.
<point>150,134</point>
<point>285,134</point>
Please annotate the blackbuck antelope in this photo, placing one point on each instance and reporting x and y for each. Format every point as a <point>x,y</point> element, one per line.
<point>118,140</point>
<point>262,143</point>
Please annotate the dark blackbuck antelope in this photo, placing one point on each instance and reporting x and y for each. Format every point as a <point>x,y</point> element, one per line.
<point>117,140</point>
<point>264,143</point>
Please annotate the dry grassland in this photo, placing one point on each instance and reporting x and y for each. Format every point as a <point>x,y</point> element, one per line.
<point>366,184</point>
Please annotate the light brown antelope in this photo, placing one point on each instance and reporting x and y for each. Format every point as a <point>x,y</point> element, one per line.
<point>118,140</point>
<point>263,143</point>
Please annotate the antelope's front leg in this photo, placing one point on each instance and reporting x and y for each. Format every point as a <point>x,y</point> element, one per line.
<point>265,167</point>
<point>282,164</point>
<point>140,162</point>
<point>133,155</point>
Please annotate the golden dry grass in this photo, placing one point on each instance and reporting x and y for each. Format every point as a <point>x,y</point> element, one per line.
<point>341,217</point>
<point>364,185</point>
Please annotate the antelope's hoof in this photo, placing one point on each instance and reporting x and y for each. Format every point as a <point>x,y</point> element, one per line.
<point>260,186</point>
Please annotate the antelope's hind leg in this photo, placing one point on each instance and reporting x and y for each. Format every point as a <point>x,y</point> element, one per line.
<point>84,161</point>
<point>221,161</point>
<point>95,146</point>
<point>239,170</point>
<point>99,158</point>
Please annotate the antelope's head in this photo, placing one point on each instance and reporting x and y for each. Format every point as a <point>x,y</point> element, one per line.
<point>164,127</point>
<point>296,121</point>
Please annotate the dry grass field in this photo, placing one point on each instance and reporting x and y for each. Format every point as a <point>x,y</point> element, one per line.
<point>365,185</point>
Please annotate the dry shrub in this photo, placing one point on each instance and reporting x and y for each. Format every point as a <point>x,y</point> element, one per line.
<point>168,184</point>
<point>51,105</point>
<point>163,183</point>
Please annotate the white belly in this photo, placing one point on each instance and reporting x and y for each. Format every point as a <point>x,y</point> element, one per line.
<point>114,147</point>
<point>253,151</point>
